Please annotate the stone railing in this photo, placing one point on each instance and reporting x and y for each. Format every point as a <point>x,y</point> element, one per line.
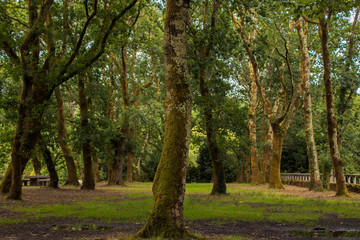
<point>349,178</point>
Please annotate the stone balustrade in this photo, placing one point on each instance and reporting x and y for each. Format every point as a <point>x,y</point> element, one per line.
<point>349,178</point>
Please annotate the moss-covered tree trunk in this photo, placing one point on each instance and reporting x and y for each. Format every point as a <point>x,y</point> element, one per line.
<point>266,150</point>
<point>275,163</point>
<point>166,218</point>
<point>255,176</point>
<point>27,131</point>
<point>341,189</point>
<point>72,178</point>
<point>54,179</point>
<point>88,181</point>
<point>315,181</point>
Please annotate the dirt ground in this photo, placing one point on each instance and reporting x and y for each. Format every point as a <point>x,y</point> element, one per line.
<point>329,227</point>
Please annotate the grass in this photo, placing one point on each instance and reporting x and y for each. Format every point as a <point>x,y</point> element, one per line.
<point>134,205</point>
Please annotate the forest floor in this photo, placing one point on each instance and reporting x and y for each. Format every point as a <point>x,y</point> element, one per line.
<point>248,212</point>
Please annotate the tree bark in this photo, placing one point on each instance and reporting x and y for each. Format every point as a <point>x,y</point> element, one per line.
<point>166,218</point>
<point>341,189</point>
<point>315,181</point>
<point>255,177</point>
<point>72,178</point>
<point>88,181</point>
<point>275,163</point>
<point>37,165</point>
<point>266,150</point>
<point>54,179</point>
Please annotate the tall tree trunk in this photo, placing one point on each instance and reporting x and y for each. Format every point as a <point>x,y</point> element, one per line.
<point>37,165</point>
<point>120,151</point>
<point>255,178</point>
<point>88,181</point>
<point>266,150</point>
<point>278,138</point>
<point>166,218</point>
<point>315,181</point>
<point>72,178</point>
<point>54,179</point>
<point>219,185</point>
<point>341,189</point>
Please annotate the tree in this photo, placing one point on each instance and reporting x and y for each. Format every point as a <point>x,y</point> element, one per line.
<point>88,181</point>
<point>166,218</point>
<point>281,112</point>
<point>40,76</point>
<point>315,182</point>
<point>203,49</point>
<point>341,189</point>
<point>72,178</point>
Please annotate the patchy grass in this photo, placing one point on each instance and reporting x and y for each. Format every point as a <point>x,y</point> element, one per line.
<point>7,221</point>
<point>134,204</point>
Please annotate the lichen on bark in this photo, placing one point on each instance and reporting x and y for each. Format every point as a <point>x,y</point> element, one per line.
<point>166,218</point>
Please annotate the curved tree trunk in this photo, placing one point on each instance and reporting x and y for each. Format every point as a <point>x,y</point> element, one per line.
<point>88,181</point>
<point>166,218</point>
<point>341,189</point>
<point>315,181</point>
<point>27,132</point>
<point>72,178</point>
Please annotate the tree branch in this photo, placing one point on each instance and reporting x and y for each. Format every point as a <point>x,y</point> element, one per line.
<point>97,51</point>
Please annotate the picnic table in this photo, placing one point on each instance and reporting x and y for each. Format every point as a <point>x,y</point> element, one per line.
<point>37,180</point>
